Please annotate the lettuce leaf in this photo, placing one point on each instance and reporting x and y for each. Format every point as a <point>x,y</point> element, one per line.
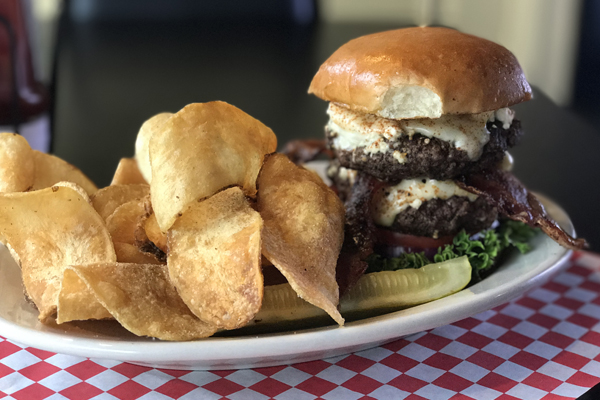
<point>483,250</point>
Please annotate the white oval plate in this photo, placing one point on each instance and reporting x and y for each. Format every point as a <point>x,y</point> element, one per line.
<point>107,340</point>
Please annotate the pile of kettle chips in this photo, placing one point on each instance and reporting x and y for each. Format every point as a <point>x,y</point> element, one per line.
<point>175,247</point>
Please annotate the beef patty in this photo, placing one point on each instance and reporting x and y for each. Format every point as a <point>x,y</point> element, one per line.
<point>438,218</point>
<point>434,218</point>
<point>430,157</point>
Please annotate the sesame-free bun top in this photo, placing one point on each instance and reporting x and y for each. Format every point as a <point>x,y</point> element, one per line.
<point>421,73</point>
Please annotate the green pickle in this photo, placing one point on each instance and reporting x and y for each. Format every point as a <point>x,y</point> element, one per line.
<point>381,292</point>
<point>375,294</point>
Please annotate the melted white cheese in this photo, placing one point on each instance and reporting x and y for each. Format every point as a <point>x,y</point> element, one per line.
<point>507,162</point>
<point>466,132</point>
<point>372,141</point>
<point>389,201</point>
<point>347,174</point>
<point>504,115</point>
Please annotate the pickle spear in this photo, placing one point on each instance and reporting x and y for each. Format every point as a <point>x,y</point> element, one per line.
<point>375,294</point>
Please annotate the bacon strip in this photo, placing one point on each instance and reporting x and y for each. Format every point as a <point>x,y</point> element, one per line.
<point>359,233</point>
<point>303,151</point>
<point>513,200</point>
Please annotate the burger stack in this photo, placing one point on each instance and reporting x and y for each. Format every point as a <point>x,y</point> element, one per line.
<point>424,115</point>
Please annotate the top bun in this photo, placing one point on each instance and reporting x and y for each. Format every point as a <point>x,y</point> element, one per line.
<point>421,73</point>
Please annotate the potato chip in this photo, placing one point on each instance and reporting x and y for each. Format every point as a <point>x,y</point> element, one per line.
<point>303,230</point>
<point>76,302</point>
<point>154,234</point>
<point>141,298</point>
<point>148,237</point>
<point>124,220</point>
<point>123,225</point>
<point>147,130</point>
<point>127,173</point>
<point>214,259</point>
<point>50,169</point>
<point>106,200</point>
<point>17,166</point>
<point>202,149</point>
<point>73,186</point>
<point>49,229</point>
<point>129,253</point>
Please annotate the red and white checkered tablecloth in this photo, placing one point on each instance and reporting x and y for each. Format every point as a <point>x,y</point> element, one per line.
<point>544,345</point>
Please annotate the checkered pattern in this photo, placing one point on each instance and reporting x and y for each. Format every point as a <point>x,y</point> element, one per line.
<point>544,345</point>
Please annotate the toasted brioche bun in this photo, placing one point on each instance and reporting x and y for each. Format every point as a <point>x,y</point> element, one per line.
<point>421,73</point>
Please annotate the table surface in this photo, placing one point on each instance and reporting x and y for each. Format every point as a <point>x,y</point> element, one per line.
<point>543,345</point>
<point>112,77</point>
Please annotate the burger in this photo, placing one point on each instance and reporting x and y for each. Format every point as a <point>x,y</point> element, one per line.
<point>419,130</point>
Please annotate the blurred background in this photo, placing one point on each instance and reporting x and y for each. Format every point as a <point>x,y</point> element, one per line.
<point>87,73</point>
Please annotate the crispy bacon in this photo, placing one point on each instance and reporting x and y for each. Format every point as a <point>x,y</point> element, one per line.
<point>359,233</point>
<point>513,200</point>
<point>303,151</point>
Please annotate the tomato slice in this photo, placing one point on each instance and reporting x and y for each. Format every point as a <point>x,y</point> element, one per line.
<point>395,239</point>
